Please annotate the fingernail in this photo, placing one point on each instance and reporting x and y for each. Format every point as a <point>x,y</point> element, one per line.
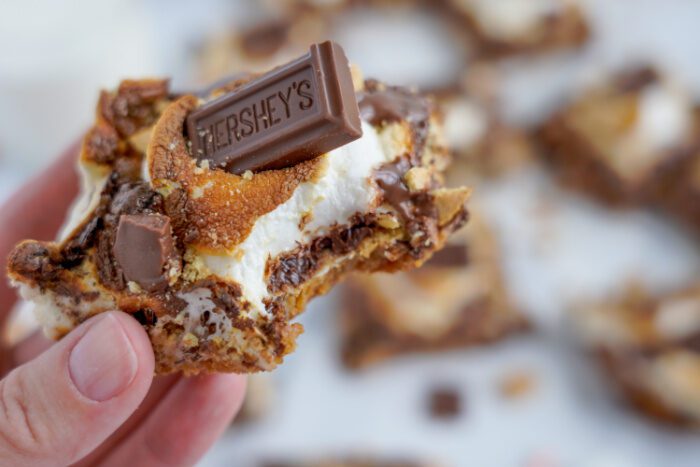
<point>103,363</point>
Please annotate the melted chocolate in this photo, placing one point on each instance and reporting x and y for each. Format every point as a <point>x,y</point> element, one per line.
<point>413,207</point>
<point>132,107</point>
<point>389,177</point>
<point>293,269</point>
<point>386,104</point>
<point>392,104</point>
<point>120,198</point>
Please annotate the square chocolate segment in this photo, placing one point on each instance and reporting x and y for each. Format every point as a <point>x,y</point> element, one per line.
<point>288,115</point>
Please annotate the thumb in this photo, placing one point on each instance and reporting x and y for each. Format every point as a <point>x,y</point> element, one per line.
<point>62,405</point>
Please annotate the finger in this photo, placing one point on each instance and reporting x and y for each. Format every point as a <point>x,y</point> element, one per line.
<point>36,210</point>
<point>30,348</point>
<point>159,389</point>
<point>185,425</point>
<point>57,408</point>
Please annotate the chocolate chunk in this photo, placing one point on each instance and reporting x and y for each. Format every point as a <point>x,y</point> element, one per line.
<point>291,114</point>
<point>445,402</point>
<point>451,256</point>
<point>143,247</point>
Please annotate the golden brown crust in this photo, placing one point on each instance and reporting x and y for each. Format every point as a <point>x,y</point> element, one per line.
<point>224,216</point>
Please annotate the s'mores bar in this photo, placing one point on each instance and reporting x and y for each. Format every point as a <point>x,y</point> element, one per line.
<point>213,220</point>
<point>457,299</point>
<point>650,349</point>
<point>504,28</point>
<point>495,28</point>
<point>481,141</point>
<point>620,140</point>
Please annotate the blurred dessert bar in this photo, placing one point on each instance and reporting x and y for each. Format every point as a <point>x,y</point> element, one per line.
<point>650,349</point>
<point>481,141</point>
<point>499,28</point>
<point>214,219</point>
<point>510,27</point>
<point>457,299</point>
<point>257,48</point>
<point>623,139</point>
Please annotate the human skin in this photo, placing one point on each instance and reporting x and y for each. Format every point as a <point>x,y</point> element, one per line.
<point>92,398</point>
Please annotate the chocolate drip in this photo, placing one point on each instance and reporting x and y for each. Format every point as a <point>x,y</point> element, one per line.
<point>386,104</point>
<point>295,268</point>
<point>390,179</point>
<point>411,206</point>
<point>391,104</point>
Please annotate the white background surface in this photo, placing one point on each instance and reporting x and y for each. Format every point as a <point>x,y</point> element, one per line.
<point>54,57</point>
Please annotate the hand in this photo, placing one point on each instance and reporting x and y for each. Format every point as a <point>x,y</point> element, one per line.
<point>91,397</point>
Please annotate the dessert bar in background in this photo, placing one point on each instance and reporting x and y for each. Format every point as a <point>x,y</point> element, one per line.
<point>483,144</point>
<point>623,139</point>
<point>649,348</point>
<point>457,299</point>
<point>496,28</point>
<point>477,30</point>
<point>182,224</point>
<point>503,28</point>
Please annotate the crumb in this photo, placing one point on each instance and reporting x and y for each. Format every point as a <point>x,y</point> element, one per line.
<point>445,403</point>
<point>517,384</point>
<point>388,221</point>
<point>248,175</point>
<point>305,219</point>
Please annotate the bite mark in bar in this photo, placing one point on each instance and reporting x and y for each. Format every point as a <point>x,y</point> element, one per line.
<point>289,115</point>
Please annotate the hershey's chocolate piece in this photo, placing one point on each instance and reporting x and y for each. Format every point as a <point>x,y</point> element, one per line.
<point>290,114</point>
<point>143,246</point>
<point>451,256</point>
